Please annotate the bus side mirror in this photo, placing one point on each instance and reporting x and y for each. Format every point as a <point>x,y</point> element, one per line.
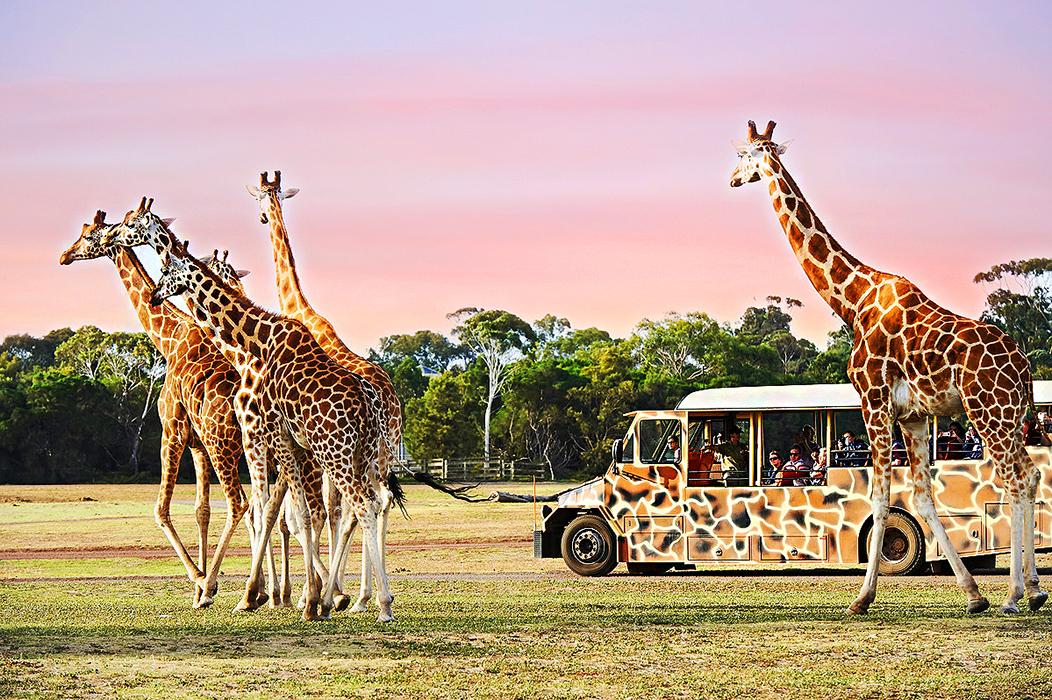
<point>617,449</point>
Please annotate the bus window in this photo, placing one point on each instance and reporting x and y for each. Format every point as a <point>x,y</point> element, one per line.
<point>797,437</point>
<point>655,441</point>
<point>850,448</point>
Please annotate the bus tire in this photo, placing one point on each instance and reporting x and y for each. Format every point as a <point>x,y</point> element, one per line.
<point>902,552</point>
<point>589,547</point>
<point>647,568</point>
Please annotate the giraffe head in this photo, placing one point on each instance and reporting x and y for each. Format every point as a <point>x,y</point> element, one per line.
<point>754,153</point>
<point>226,271</point>
<point>269,191</point>
<point>179,272</point>
<point>94,241</point>
<point>141,226</point>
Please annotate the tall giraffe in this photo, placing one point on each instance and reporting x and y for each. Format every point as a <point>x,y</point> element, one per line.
<point>308,402</point>
<point>913,359</point>
<point>294,304</point>
<point>195,408</point>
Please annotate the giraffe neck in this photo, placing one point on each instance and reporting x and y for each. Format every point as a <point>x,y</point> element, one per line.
<point>241,331</point>
<point>293,302</point>
<point>162,323</point>
<point>290,295</point>
<point>837,276</point>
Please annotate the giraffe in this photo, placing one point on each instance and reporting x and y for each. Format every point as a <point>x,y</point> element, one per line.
<point>141,226</point>
<point>312,478</point>
<point>309,402</point>
<point>913,359</point>
<point>294,304</point>
<point>195,408</point>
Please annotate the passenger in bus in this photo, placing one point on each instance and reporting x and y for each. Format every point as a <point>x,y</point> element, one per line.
<point>672,453</point>
<point>973,446</point>
<point>819,467</point>
<point>795,472</point>
<point>773,469</point>
<point>1045,421</point>
<point>734,455</point>
<point>1033,432</point>
<point>805,442</point>
<point>950,444</point>
<point>853,452</point>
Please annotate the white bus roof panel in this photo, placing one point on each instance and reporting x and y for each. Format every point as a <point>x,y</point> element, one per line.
<point>796,397</point>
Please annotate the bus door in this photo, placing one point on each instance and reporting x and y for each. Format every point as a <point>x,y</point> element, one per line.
<point>654,481</point>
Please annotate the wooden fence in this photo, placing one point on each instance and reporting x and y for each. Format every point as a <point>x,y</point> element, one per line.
<point>478,469</point>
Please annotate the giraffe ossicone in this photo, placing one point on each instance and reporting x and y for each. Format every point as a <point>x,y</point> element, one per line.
<point>913,359</point>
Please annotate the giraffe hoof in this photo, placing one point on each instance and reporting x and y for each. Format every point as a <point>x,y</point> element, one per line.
<point>342,603</point>
<point>978,605</point>
<point>262,599</point>
<point>385,618</point>
<point>1037,600</point>
<point>856,609</point>
<point>203,602</point>
<point>1009,609</point>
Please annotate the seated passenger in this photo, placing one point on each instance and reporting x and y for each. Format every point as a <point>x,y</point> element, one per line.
<point>672,454</point>
<point>853,452</point>
<point>795,472</point>
<point>773,470</point>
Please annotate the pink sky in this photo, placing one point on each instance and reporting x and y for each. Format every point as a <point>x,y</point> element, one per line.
<point>566,158</point>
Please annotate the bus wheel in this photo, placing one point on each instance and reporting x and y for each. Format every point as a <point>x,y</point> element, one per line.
<point>641,568</point>
<point>589,547</point>
<point>903,550</point>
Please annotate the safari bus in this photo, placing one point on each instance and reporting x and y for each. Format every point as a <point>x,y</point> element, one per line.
<point>780,474</point>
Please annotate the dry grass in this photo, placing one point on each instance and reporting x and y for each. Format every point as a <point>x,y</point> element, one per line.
<point>480,620</point>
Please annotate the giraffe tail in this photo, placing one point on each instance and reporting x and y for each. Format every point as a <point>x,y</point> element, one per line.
<point>395,487</point>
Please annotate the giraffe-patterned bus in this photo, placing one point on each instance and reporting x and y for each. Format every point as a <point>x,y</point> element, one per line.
<point>663,505</point>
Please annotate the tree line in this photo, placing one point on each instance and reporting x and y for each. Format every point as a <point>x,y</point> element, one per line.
<point>80,406</point>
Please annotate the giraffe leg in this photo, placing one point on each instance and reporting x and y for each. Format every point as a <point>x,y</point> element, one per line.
<point>172,445</point>
<point>1035,596</point>
<point>237,505</point>
<point>338,558</point>
<point>1016,585</point>
<point>335,509</point>
<point>270,507</point>
<point>373,538</point>
<point>915,437</point>
<point>880,447</point>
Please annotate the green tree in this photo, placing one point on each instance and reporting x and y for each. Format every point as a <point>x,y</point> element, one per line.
<point>57,430</point>
<point>685,349</point>
<point>598,408</point>
<point>498,339</point>
<point>535,416</point>
<point>830,366</point>
<point>444,421</point>
<point>129,366</point>
<point>34,352</point>
<point>1021,306</point>
<point>428,349</point>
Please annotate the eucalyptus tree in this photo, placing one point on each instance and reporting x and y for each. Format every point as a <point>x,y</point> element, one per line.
<point>498,338</point>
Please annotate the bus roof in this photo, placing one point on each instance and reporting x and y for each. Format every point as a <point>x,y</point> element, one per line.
<point>796,397</point>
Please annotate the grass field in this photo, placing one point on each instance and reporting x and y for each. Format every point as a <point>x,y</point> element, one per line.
<point>476,616</point>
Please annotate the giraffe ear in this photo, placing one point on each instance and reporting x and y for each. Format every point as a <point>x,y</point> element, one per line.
<point>783,147</point>
<point>741,147</point>
<point>168,222</point>
<point>290,192</point>
<point>254,191</point>
<point>241,273</point>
